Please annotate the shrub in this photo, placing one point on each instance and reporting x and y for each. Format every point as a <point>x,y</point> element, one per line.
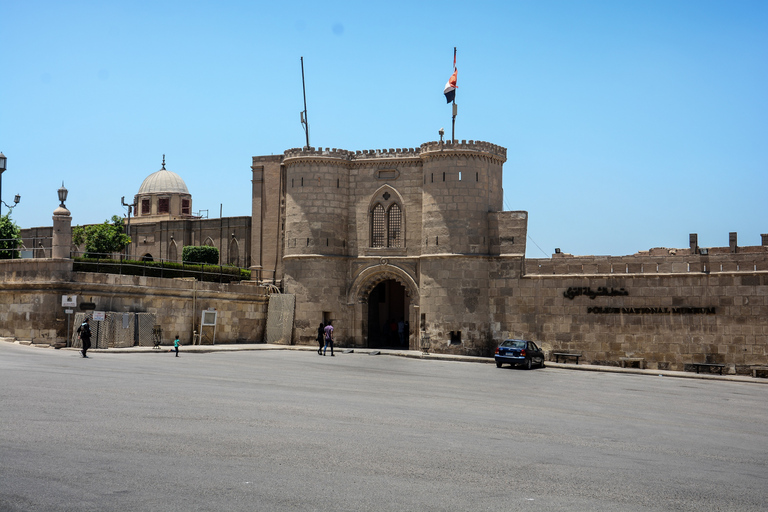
<point>200,254</point>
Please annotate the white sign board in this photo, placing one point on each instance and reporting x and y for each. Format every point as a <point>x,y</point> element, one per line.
<point>99,316</point>
<point>68,301</point>
<point>209,318</point>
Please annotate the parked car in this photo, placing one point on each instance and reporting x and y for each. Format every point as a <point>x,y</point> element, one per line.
<point>519,352</point>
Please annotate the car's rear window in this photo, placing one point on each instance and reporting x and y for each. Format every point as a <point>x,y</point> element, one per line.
<point>513,343</point>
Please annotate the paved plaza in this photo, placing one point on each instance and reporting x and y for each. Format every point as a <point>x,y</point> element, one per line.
<point>290,430</point>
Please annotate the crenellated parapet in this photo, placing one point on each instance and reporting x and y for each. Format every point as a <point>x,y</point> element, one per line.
<point>474,148</point>
<point>427,150</point>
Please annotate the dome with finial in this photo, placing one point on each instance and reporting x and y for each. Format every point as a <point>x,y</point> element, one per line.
<point>163,182</point>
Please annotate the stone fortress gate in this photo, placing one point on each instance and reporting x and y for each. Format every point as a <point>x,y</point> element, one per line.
<point>368,238</point>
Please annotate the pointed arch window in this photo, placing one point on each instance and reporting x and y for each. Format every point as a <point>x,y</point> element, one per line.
<point>386,226</point>
<point>378,227</point>
<point>393,226</point>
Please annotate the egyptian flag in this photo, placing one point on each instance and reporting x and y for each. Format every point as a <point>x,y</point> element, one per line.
<point>450,87</point>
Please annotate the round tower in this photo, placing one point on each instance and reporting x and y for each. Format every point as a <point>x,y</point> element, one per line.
<point>462,183</point>
<point>316,208</point>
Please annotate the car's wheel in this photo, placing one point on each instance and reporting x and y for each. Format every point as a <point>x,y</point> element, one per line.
<point>498,364</point>
<point>528,364</point>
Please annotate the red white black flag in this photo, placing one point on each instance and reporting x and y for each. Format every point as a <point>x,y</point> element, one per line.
<point>450,87</point>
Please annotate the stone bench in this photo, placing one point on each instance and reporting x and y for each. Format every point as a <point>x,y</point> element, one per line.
<point>632,360</point>
<point>711,366</point>
<point>565,355</point>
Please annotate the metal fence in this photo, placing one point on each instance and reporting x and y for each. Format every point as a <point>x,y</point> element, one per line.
<point>117,330</point>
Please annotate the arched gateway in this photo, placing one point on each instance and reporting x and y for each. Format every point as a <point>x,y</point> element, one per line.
<point>385,299</point>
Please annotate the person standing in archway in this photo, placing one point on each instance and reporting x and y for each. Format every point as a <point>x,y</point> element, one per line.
<point>84,333</point>
<point>320,338</point>
<point>328,337</point>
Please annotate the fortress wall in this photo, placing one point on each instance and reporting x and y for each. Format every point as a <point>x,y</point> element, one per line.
<point>319,286</point>
<point>669,319</point>
<point>30,301</point>
<point>454,298</point>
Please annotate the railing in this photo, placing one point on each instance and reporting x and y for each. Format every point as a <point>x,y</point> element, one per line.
<point>28,247</point>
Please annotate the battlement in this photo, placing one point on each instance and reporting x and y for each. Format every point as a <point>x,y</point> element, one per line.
<point>643,263</point>
<point>341,154</point>
<point>476,146</point>
<point>399,153</point>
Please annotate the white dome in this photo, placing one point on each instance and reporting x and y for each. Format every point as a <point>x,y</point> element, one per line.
<point>163,182</point>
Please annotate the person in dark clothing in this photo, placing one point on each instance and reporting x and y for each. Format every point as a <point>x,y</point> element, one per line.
<point>320,338</point>
<point>84,333</point>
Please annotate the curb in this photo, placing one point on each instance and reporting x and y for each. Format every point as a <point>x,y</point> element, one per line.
<point>412,354</point>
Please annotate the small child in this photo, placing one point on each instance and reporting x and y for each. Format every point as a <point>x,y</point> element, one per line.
<point>176,345</point>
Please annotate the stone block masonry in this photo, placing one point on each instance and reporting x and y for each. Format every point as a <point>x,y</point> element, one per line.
<point>30,302</point>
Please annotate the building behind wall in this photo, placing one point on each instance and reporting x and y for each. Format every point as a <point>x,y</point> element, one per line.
<point>162,223</point>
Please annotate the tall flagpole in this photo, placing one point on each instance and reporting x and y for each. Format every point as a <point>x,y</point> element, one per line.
<point>453,120</point>
<point>304,119</point>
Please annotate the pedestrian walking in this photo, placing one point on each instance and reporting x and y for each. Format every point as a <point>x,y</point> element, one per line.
<point>320,338</point>
<point>328,338</point>
<point>176,345</point>
<point>84,333</point>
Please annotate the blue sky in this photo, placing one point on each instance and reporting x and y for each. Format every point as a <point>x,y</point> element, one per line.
<point>628,125</point>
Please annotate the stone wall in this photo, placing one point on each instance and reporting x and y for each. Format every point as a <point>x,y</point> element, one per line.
<point>670,320</point>
<point>31,291</point>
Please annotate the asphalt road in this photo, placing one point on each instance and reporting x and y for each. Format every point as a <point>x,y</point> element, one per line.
<point>287,430</point>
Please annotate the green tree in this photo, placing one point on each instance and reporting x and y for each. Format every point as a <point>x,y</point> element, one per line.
<point>101,239</point>
<point>10,238</point>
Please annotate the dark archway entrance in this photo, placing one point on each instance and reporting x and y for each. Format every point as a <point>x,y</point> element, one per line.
<point>388,306</point>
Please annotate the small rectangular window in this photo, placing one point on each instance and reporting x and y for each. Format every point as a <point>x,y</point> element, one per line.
<point>164,205</point>
<point>185,206</point>
<point>455,337</point>
<point>145,207</point>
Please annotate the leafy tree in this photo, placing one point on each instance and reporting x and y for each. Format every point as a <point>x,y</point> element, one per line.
<point>200,254</point>
<point>101,239</point>
<point>10,238</point>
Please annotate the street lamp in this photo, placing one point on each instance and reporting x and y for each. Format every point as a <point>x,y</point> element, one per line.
<point>62,195</point>
<point>3,161</point>
<point>17,197</point>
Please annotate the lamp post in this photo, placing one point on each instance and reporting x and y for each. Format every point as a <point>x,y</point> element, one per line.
<point>63,194</point>
<point>17,197</point>
<point>3,161</point>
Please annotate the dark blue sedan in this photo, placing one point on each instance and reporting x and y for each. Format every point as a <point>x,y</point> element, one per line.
<point>519,352</point>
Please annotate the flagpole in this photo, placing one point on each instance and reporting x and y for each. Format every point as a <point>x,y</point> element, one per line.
<point>304,119</point>
<point>453,120</point>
